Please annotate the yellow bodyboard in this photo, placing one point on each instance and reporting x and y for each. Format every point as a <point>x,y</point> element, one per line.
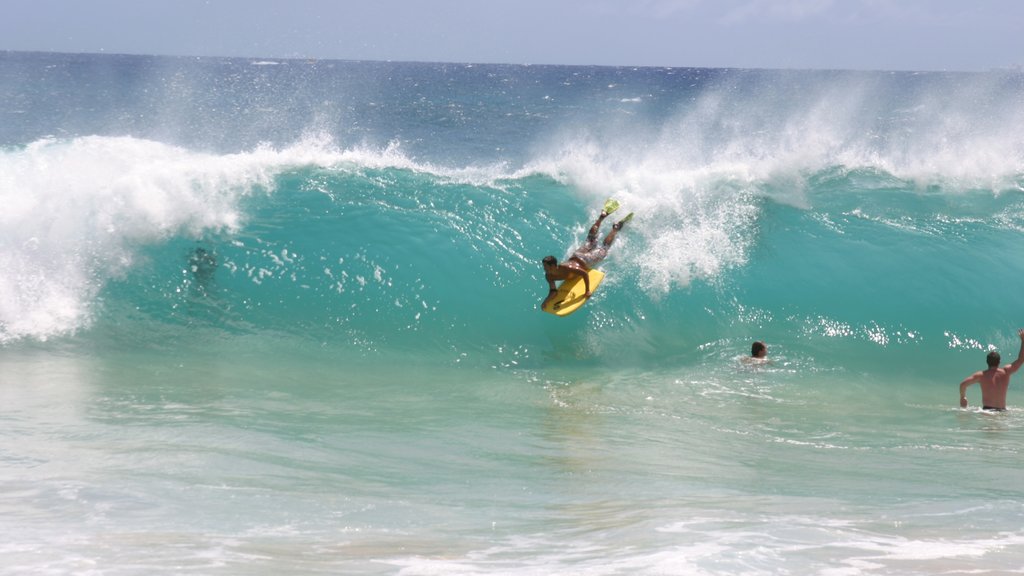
<point>570,294</point>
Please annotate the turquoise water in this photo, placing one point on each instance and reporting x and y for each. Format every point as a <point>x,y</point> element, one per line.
<point>359,380</point>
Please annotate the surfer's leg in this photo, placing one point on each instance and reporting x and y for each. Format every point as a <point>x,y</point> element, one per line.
<point>615,229</point>
<point>610,237</point>
<point>592,235</point>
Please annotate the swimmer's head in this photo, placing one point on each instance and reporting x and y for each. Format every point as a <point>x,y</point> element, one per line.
<point>758,349</point>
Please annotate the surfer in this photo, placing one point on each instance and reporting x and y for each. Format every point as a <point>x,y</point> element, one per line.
<point>586,256</point>
<point>994,381</point>
<point>202,264</point>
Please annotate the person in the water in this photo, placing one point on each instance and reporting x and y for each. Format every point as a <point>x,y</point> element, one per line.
<point>585,257</point>
<point>758,355</point>
<point>758,350</point>
<point>202,264</point>
<point>994,381</point>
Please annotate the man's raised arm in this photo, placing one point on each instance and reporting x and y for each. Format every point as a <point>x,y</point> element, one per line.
<point>1010,369</point>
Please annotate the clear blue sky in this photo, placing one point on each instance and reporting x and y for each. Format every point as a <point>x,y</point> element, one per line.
<point>844,34</point>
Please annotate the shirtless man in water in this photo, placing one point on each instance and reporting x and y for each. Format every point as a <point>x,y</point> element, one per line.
<point>583,259</point>
<point>994,381</point>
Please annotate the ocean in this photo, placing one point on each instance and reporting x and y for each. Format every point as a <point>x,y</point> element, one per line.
<point>282,317</point>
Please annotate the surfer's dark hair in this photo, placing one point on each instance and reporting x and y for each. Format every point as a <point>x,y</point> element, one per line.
<point>993,359</point>
<point>550,261</point>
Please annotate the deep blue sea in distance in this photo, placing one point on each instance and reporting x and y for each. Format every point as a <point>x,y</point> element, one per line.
<point>264,317</point>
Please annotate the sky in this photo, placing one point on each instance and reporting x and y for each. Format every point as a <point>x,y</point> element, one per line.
<point>963,35</point>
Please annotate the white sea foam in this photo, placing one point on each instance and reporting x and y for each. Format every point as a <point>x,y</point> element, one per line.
<point>76,211</point>
<point>696,180</point>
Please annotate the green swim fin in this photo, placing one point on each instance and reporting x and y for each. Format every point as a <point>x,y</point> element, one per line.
<point>618,225</point>
<point>611,205</point>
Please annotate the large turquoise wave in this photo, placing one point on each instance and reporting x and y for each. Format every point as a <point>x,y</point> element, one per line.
<point>383,209</point>
<point>372,254</point>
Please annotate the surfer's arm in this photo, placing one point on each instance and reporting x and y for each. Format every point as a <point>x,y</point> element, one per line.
<point>963,387</point>
<point>551,294</point>
<point>552,290</point>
